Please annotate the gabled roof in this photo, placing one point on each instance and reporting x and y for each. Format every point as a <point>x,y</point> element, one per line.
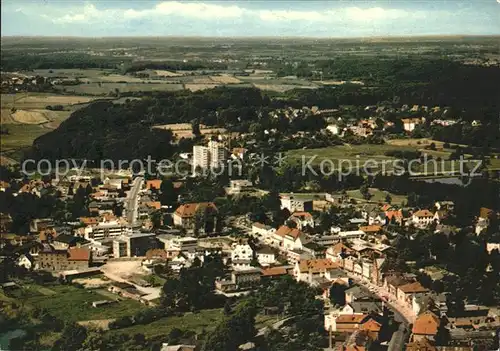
<point>398,214</point>
<point>190,209</point>
<point>396,280</point>
<point>371,325</point>
<point>350,318</point>
<point>153,183</point>
<point>285,231</point>
<point>274,271</point>
<point>316,266</point>
<point>486,212</point>
<point>371,228</point>
<point>78,254</point>
<point>412,288</point>
<point>302,215</point>
<point>426,324</point>
<point>423,213</point>
<point>339,248</point>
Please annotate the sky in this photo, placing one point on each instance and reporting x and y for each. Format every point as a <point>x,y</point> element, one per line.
<point>285,18</point>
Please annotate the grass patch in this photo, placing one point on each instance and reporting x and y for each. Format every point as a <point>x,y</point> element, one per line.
<point>69,303</point>
<point>378,196</point>
<point>20,135</point>
<point>203,320</point>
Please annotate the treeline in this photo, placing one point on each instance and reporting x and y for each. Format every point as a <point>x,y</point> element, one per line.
<point>174,65</point>
<point>413,80</point>
<point>18,61</point>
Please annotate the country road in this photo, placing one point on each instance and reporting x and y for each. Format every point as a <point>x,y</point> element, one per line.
<point>132,200</point>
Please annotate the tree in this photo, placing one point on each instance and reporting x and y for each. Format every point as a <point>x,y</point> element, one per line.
<point>72,338</point>
<point>168,195</point>
<point>388,198</point>
<point>227,308</point>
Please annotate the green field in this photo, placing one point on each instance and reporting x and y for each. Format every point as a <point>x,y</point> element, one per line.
<point>107,88</point>
<point>20,136</point>
<point>72,304</point>
<point>202,320</point>
<point>378,196</point>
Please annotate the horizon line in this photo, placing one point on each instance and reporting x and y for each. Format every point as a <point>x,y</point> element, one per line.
<point>430,36</point>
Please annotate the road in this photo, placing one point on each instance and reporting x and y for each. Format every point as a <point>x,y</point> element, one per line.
<point>132,201</point>
<point>401,312</point>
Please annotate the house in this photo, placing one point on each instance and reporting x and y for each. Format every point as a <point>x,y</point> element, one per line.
<point>289,238</point>
<point>179,347</point>
<point>348,323</point>
<point>27,261</point>
<point>338,252</point>
<point>406,291</point>
<point>484,219</point>
<point>60,260</point>
<point>238,153</point>
<point>246,277</point>
<point>425,326</point>
<point>334,129</point>
<point>392,282</point>
<point>372,327</point>
<point>265,256</point>
<point>274,272</point>
<point>409,124</point>
<point>187,215</point>
<point>422,344</point>
<point>309,270</point>
<point>302,220</point>
<point>423,218</point>
<point>394,217</point>
<point>153,184</point>
<point>242,252</point>
<point>239,186</point>
<point>294,203</point>
<point>262,230</point>
<point>363,307</point>
<point>371,229</point>
<point>357,293</point>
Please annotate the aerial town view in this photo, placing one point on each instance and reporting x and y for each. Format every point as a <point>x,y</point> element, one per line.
<point>250,175</point>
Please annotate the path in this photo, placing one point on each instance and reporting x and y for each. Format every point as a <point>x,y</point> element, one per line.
<point>132,200</point>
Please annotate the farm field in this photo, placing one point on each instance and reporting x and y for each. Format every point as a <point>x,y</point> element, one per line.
<point>198,322</point>
<point>20,136</point>
<point>72,304</point>
<point>97,88</point>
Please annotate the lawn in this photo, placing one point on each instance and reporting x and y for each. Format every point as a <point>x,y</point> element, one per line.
<point>203,320</point>
<point>20,135</point>
<point>378,196</point>
<point>345,156</point>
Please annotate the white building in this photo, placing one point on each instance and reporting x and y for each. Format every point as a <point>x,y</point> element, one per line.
<point>262,230</point>
<point>187,243</point>
<point>423,218</point>
<point>107,229</point>
<point>266,256</point>
<point>217,154</point>
<point>295,204</point>
<point>334,129</point>
<point>239,185</point>
<point>242,252</point>
<point>201,157</point>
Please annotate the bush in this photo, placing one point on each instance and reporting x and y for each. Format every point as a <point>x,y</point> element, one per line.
<point>122,322</point>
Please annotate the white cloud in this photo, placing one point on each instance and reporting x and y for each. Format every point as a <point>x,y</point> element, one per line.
<point>200,10</point>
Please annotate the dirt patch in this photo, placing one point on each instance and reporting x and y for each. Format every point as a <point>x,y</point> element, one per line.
<point>164,73</point>
<point>122,269</point>
<point>414,142</point>
<point>29,117</point>
<point>55,99</point>
<point>97,323</point>
<point>225,79</point>
<point>89,283</point>
<point>6,116</point>
<point>197,87</point>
